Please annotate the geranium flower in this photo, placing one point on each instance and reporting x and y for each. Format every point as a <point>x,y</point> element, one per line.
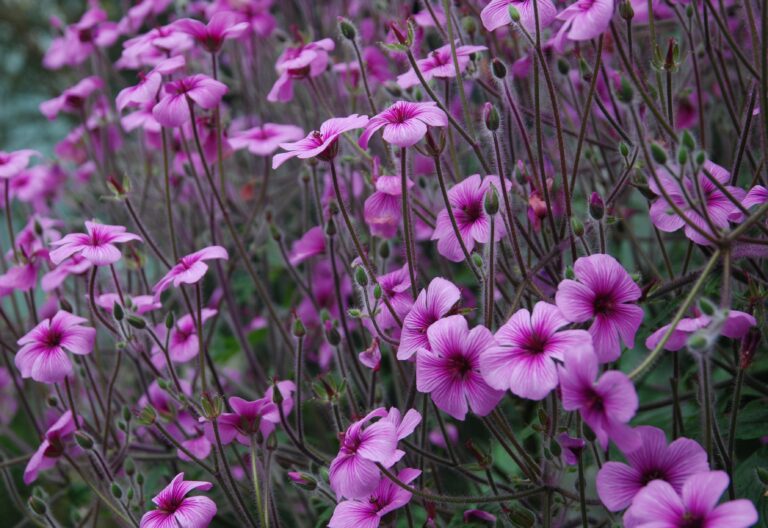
<point>56,277</point>
<point>404,123</point>
<point>449,371</point>
<point>439,64</point>
<point>619,483</point>
<point>97,246</point>
<point>496,14</point>
<point>173,108</point>
<point>43,353</point>
<point>432,304</point>
<point>605,292</point>
<point>55,443</point>
<point>264,140</point>
<point>72,99</point>
<point>153,47</point>
<point>310,244</point>
<point>149,84</point>
<point>81,39</point>
<point>383,209</point>
<point>174,508</point>
<point>223,25</point>
<point>12,163</point>
<point>736,325</point>
<point>183,344</point>
<point>190,268</point>
<point>248,418</point>
<point>371,356</point>
<point>306,60</point>
<point>527,346</point>
<point>140,304</point>
<point>320,143</point>
<point>395,287</point>
<point>584,20</point>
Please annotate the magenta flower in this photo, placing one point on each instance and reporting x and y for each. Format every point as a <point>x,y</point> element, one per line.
<point>371,356</point>
<point>309,245</point>
<point>383,210</point>
<point>190,268</point>
<point>97,246</point>
<point>322,143</point>
<point>53,446</point>
<point>265,139</point>
<point>450,370</point>
<point>736,325</point>
<point>43,352</point>
<point>183,343</point>
<point>174,508</point>
<point>404,123</point>
<point>12,163</point>
<point>56,277</point>
<point>438,300</point>
<point>395,287</point>
<point>140,304</point>
<point>72,99</point>
<point>527,346</point>
<point>606,293</point>
<point>606,405</point>
<point>306,60</point>
<point>81,39</point>
<point>572,448</point>
<point>173,108</point>
<point>223,25</point>
<point>720,209</point>
<point>369,511</point>
<point>619,483</point>
<point>466,199</point>
<point>248,418</point>
<point>659,505</point>
<point>496,14</point>
<point>149,84</point>
<point>584,20</point>
<point>757,195</point>
<point>439,65</point>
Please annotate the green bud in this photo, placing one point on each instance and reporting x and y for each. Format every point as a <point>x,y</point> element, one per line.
<point>140,479</point>
<point>330,228</point>
<point>37,505</point>
<point>361,276</point>
<point>584,70</point>
<point>555,448</point>
<point>136,322</point>
<point>701,158</point>
<point>126,412</point>
<point>84,440</point>
<point>118,312</point>
<point>707,307</point>
<point>569,274</point>
<point>347,29</point>
<point>299,330</point>
<point>170,320</point>
<point>577,226</point>
<point>333,336</point>
<point>354,313</point>
<point>682,155</point>
<point>130,494</point>
<point>491,201</point>
<point>117,491</point>
<point>626,93</point>
<point>521,517</point>
<point>384,250</point>
<point>478,260</point>
<point>687,140</point>
<point>514,14</point>
<point>469,24</point>
<point>626,11</point>
<point>129,466</point>
<point>658,153</point>
<point>499,69</point>
<point>563,67</point>
<point>697,342</point>
<point>623,149</point>
<point>490,117</point>
<point>377,292</point>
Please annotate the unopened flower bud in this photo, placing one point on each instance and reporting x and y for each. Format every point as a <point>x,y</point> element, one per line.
<point>333,336</point>
<point>749,344</point>
<point>299,330</point>
<point>491,201</point>
<point>490,117</point>
<point>569,274</point>
<point>347,29</point>
<point>469,24</point>
<point>707,307</point>
<point>136,322</point>
<point>147,416</point>
<point>682,155</point>
<point>658,153</point>
<point>584,70</point>
<point>626,11</point>
<point>514,14</point>
<point>577,226</point>
<point>625,93</point>
<point>697,342</point>
<point>563,67</point>
<point>687,140</point>
<point>361,277</point>
<point>700,158</point>
<point>596,206</point>
<point>499,69</point>
<point>37,505</point>
<point>377,292</point>
<point>117,491</point>
<point>84,440</point>
<point>129,466</point>
<point>623,149</point>
<point>118,312</point>
<point>330,228</point>
<point>303,480</point>
<point>477,259</point>
<point>384,250</point>
<point>170,320</point>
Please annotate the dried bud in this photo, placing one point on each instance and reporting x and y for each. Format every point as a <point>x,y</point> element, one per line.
<point>347,29</point>
<point>596,206</point>
<point>490,117</point>
<point>499,69</point>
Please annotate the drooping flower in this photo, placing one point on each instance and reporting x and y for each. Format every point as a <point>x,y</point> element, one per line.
<point>305,60</point>
<point>12,163</point>
<point>433,303</point>
<point>659,505</point>
<point>466,199</point>
<point>404,123</point>
<point>584,20</point>
<point>248,419</point>
<point>175,508</point>
<point>619,483</point>
<point>527,346</point>
<point>450,369</point>
<point>43,353</point>
<point>265,139</point>
<point>320,143</point>
<point>97,246</point>
<point>223,25</point>
<point>173,109</point>
<point>54,445</point>
<point>605,292</point>
<point>190,268</point>
<point>605,404</point>
<point>72,99</point>
<point>369,511</point>
<point>439,64</point>
<point>736,325</point>
<point>371,356</point>
<point>496,14</point>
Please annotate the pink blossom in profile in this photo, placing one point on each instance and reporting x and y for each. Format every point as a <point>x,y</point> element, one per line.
<point>404,123</point>
<point>476,517</point>
<point>606,404</point>
<point>757,195</point>
<point>97,245</point>
<point>395,287</point>
<point>572,448</point>
<point>383,210</point>
<point>43,353</point>
<point>438,300</point>
<point>527,347</point>
<point>254,12</point>
<point>265,139</point>
<point>81,39</point>
<point>368,512</point>
<point>222,26</point>
<point>54,445</point>
<point>183,343</point>
<point>619,483</point>
<point>660,505</point>
<point>584,20</point>
<point>149,83</point>
<point>496,14</point>
<point>140,304</point>
<point>439,64</point>
<point>190,268</point>
<point>173,109</point>
<point>12,163</point>
<point>153,47</point>
<point>605,292</point>
<point>736,325</point>
<point>449,371</point>
<point>72,99</point>
<point>76,265</point>
<point>320,143</point>
<point>466,199</point>
<point>371,356</point>
<point>305,60</point>
<point>176,508</point>
<point>247,419</point>
<point>312,243</point>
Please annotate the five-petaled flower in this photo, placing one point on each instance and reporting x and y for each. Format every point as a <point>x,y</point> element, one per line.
<point>174,109</point>
<point>175,508</point>
<point>190,268</point>
<point>404,123</point>
<point>320,143</point>
<point>97,246</point>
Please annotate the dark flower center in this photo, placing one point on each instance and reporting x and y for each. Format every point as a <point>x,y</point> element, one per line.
<point>535,344</point>
<point>473,211</point>
<point>604,304</point>
<point>690,520</point>
<point>653,474</point>
<point>53,338</point>
<point>596,402</point>
<point>460,366</point>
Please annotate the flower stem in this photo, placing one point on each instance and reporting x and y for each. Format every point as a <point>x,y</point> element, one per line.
<point>407,235</point>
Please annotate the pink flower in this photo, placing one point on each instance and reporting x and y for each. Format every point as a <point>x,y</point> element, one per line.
<point>139,304</point>
<point>53,446</point>
<point>43,352</point>
<point>383,209</point>
<point>719,208</point>
<point>659,505</point>
<point>395,287</point>
<point>606,405</point>
<point>265,139</point>
<point>369,511</point>
<point>435,302</point>
<point>72,99</point>
<point>80,40</point>
<point>183,343</point>
<point>527,346</point>
<point>404,123</point>
<point>496,14</point>
<point>757,195</point>
<point>306,60</point>
<point>322,143</point>
<point>466,199</point>
<point>571,447</point>
<point>248,418</point>
<point>97,246</point>
<point>439,64</point>
<point>619,483</point>
<point>56,277</point>
<point>153,47</point>
<point>604,291</point>
<point>584,20</point>
<point>371,356</point>
<point>173,108</point>
<point>736,325</point>
<point>174,508</point>
<point>12,163</point>
<point>190,268</point>
<point>149,84</point>
<point>223,25</point>
<point>309,245</point>
<point>450,370</point>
